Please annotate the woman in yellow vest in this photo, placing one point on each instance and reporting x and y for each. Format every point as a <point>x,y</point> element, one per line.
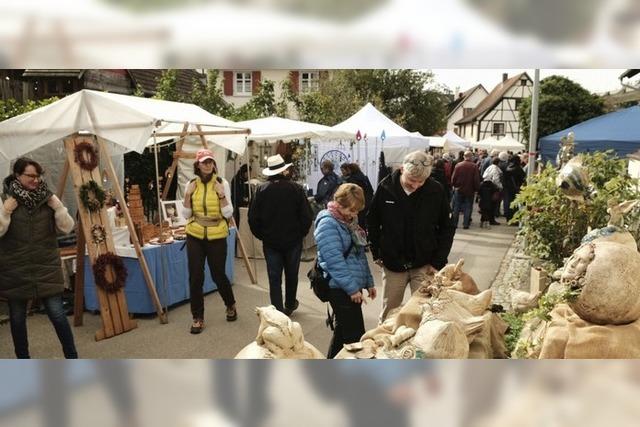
<point>207,209</point>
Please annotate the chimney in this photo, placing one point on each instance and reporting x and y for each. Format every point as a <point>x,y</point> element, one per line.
<point>459,95</point>
<point>505,76</point>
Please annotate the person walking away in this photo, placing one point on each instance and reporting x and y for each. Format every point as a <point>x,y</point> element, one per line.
<point>29,259</point>
<point>327,184</point>
<point>439,174</point>
<point>356,176</point>
<point>280,216</point>
<point>514,178</point>
<point>494,174</point>
<point>410,228</point>
<point>466,181</point>
<point>341,255</point>
<point>240,192</point>
<point>207,208</point>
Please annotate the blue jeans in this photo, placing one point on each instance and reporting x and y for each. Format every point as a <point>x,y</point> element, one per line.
<point>464,203</point>
<point>57,316</point>
<point>277,260</point>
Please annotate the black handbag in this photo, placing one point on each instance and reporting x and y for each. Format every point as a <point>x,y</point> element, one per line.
<point>319,283</point>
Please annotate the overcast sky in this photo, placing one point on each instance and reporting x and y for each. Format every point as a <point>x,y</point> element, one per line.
<point>594,80</point>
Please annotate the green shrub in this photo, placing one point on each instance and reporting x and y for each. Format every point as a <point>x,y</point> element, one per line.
<point>553,225</point>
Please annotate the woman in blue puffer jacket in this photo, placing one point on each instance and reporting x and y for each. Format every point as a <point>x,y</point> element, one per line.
<point>341,254</point>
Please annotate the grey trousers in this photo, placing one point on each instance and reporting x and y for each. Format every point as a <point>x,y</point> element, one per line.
<point>394,285</point>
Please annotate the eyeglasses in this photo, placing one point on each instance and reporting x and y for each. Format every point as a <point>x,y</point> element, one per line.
<point>32,176</point>
<point>425,163</point>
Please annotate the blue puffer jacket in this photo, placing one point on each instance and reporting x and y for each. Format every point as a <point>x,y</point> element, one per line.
<point>333,238</point>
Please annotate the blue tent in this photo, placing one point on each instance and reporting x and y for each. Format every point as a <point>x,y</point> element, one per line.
<point>619,131</point>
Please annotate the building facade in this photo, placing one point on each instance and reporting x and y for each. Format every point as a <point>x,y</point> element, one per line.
<point>463,105</point>
<point>497,115</point>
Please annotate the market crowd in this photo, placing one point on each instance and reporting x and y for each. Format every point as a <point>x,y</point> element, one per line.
<point>407,225</point>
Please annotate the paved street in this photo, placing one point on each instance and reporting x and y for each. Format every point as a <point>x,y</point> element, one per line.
<point>482,250</point>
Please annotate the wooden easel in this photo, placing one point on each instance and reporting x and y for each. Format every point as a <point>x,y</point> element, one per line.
<point>177,155</point>
<point>113,306</point>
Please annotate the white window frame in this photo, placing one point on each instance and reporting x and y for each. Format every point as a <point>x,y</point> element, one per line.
<point>311,82</point>
<point>493,128</point>
<point>242,83</point>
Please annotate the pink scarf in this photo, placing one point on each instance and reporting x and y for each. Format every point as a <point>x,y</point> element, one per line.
<point>358,235</point>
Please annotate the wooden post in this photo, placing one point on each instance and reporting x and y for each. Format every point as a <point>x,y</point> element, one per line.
<point>132,232</point>
<point>174,164</point>
<point>78,291</point>
<point>243,252</point>
<point>113,305</point>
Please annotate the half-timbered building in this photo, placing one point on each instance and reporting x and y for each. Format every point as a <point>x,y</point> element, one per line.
<point>497,115</point>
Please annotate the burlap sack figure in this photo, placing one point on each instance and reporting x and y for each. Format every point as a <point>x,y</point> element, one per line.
<point>570,337</point>
<point>608,277</point>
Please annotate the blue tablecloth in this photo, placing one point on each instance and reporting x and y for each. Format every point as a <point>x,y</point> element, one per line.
<point>172,259</point>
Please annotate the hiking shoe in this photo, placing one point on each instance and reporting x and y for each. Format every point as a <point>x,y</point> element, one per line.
<point>197,326</point>
<point>288,311</point>
<point>232,313</point>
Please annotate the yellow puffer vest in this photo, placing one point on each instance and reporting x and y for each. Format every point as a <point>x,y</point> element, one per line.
<point>207,221</point>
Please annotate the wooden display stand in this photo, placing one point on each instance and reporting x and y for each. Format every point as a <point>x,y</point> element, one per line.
<point>113,306</point>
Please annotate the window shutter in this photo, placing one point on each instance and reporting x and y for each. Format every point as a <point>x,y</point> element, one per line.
<point>255,82</point>
<point>295,81</point>
<point>228,83</point>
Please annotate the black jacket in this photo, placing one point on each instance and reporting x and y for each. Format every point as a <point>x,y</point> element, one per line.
<point>410,231</point>
<point>280,214</point>
<point>326,187</point>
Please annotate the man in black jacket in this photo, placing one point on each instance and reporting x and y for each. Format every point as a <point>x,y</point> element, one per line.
<point>410,228</point>
<point>280,216</point>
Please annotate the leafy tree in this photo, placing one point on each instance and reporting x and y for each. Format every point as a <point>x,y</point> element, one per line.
<point>263,104</point>
<point>11,107</point>
<point>563,103</point>
<point>209,95</point>
<point>408,97</point>
<point>167,87</point>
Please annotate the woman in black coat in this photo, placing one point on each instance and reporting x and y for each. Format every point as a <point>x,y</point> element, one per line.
<point>352,174</point>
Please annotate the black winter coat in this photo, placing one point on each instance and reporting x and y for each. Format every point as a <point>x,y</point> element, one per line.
<point>363,182</point>
<point>410,231</point>
<point>29,259</point>
<point>280,214</point>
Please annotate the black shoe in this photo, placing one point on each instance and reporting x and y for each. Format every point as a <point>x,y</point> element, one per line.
<point>466,227</point>
<point>197,326</point>
<point>289,311</point>
<point>232,313</point>
<point>494,223</point>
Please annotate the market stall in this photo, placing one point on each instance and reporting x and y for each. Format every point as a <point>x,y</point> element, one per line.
<point>94,127</point>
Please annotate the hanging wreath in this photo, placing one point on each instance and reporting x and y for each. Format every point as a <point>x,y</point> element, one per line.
<point>86,156</point>
<point>119,270</point>
<point>92,196</point>
<point>98,234</point>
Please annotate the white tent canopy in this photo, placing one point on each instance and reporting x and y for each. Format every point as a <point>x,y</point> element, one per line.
<point>379,133</point>
<point>127,121</point>
<point>371,124</point>
<point>272,129</point>
<point>506,143</point>
<point>449,142</point>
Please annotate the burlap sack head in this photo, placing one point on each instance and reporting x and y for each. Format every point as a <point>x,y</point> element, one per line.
<point>608,275</point>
